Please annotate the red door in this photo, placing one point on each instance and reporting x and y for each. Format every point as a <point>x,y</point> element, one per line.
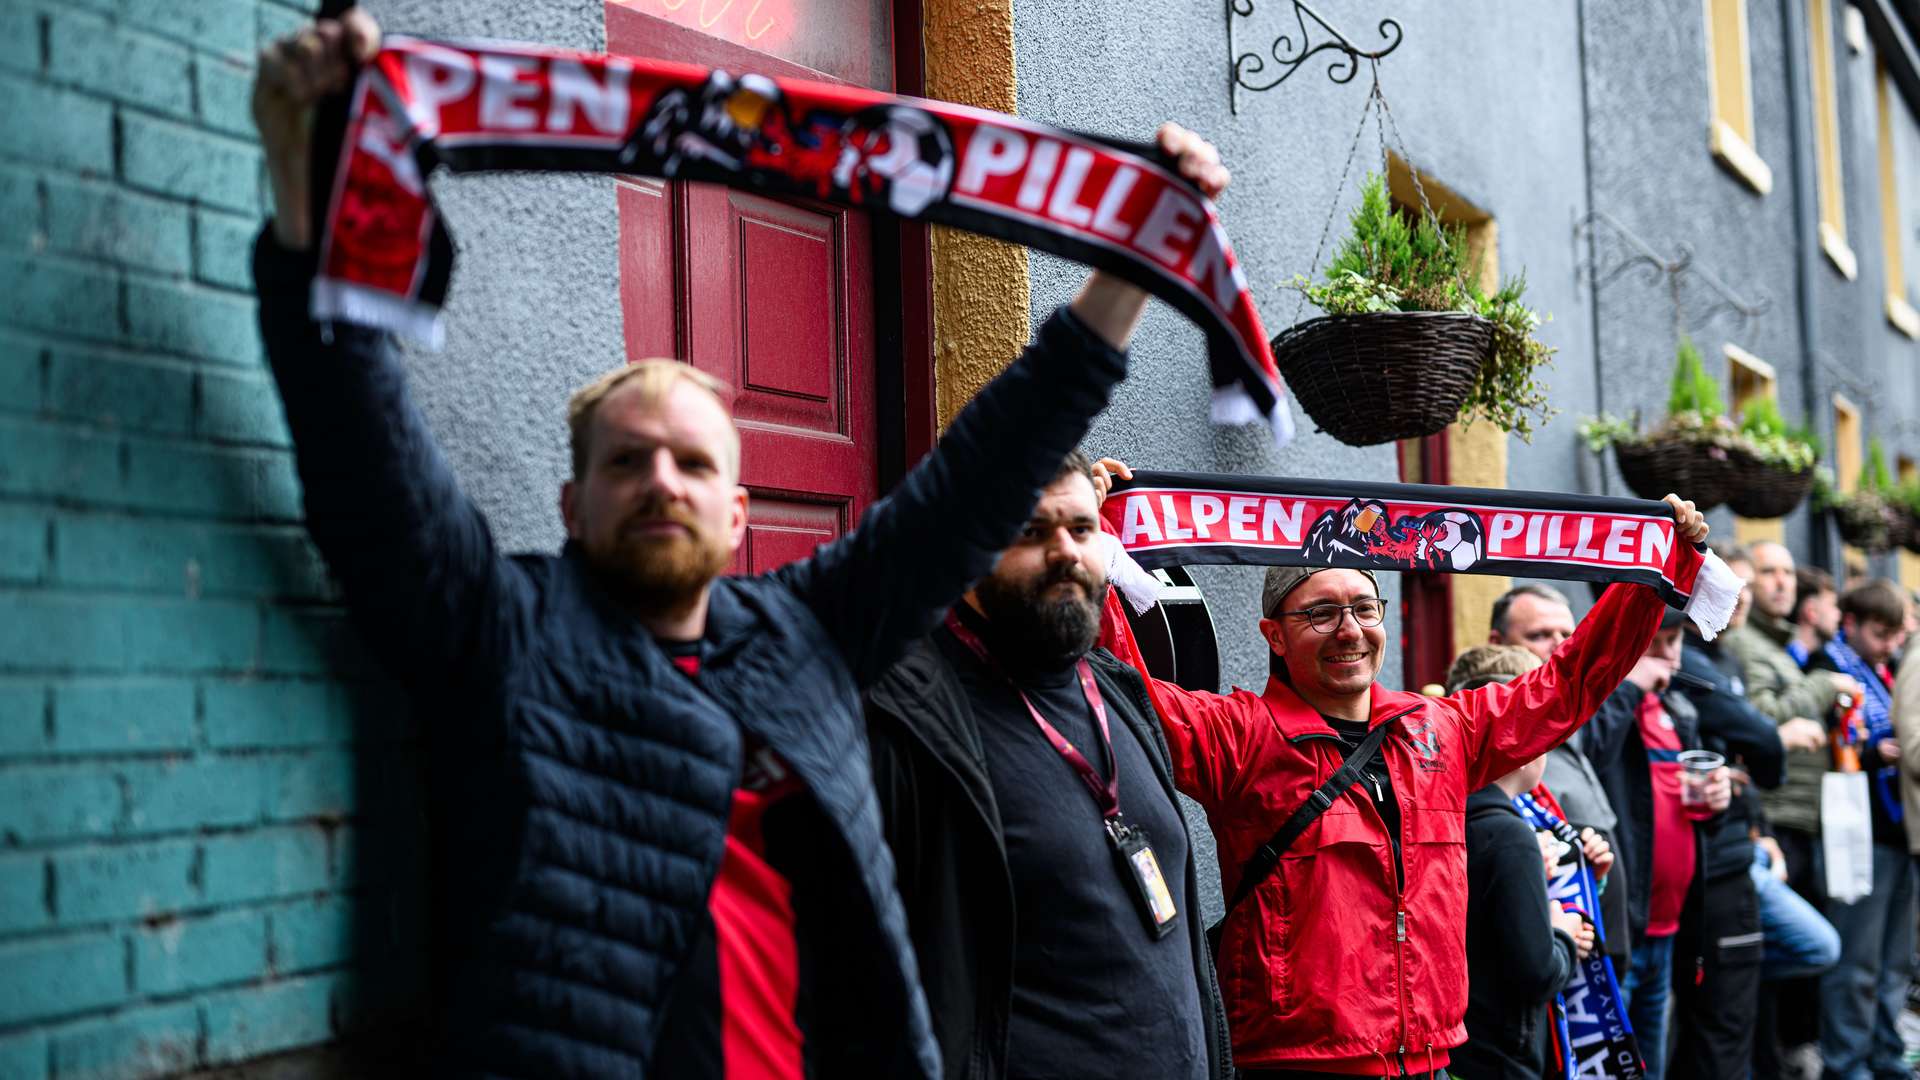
<point>776,296</point>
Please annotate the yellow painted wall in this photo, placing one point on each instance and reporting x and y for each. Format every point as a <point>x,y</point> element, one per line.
<point>1476,453</point>
<point>981,297</point>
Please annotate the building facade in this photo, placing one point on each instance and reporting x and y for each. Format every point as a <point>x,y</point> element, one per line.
<point>210,811</point>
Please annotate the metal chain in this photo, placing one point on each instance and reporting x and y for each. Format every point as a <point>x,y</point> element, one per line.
<point>1426,209</point>
<point>1333,209</point>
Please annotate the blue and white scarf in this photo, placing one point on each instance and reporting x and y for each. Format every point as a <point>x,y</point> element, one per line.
<point>1596,1039</point>
<point>1877,709</point>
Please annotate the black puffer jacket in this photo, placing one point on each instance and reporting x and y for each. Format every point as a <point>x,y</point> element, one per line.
<point>940,815</point>
<point>584,783</point>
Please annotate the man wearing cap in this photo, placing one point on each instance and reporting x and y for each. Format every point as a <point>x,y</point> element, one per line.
<point>1348,958</point>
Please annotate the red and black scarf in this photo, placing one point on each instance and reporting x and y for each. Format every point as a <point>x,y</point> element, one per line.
<point>386,258</point>
<point>1173,519</point>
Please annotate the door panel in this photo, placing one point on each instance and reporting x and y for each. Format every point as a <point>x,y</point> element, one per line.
<point>773,295</point>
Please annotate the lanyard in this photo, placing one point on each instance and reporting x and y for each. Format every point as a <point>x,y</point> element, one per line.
<point>1106,794</point>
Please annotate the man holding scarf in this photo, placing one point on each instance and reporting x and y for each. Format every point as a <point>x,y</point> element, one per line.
<point>657,814</point>
<point>1039,949</point>
<point>1347,958</point>
<point>1863,995</point>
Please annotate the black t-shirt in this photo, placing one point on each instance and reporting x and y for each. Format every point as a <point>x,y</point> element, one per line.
<point>1094,993</point>
<point>1378,785</point>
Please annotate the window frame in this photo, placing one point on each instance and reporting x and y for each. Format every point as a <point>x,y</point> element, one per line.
<point>1829,176</point>
<point>1730,127</point>
<point>1893,249</point>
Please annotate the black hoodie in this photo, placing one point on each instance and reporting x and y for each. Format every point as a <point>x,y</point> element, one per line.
<point>1517,960</point>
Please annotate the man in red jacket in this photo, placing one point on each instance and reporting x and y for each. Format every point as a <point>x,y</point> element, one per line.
<point>1350,958</point>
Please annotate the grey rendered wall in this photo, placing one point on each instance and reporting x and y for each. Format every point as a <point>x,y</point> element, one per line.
<point>1651,168</point>
<point>1488,98</point>
<point>534,308</point>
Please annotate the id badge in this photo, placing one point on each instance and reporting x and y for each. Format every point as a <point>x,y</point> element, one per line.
<point>1138,865</point>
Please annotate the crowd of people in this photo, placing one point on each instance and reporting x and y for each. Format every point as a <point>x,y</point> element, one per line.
<point>1737,955</point>
<point>890,811</point>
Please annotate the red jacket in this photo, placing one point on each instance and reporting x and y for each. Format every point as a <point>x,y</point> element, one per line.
<point>1327,966</point>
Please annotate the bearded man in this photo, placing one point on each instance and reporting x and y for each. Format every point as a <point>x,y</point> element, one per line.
<point>1028,794</point>
<point>658,821</point>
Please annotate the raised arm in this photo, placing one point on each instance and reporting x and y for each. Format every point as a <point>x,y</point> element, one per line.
<point>918,549</point>
<point>1508,726</point>
<point>418,567</point>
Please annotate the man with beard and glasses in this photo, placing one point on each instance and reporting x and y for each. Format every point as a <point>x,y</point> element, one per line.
<point>658,825</point>
<point>1346,953</point>
<point>1028,797</point>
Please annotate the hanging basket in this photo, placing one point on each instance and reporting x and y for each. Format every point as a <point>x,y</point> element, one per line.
<point>1867,524</point>
<point>1655,466</point>
<point>1761,490</point>
<point>1906,529</point>
<point>1375,378</point>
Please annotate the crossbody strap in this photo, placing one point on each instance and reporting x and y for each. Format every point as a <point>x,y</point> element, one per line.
<point>1267,856</point>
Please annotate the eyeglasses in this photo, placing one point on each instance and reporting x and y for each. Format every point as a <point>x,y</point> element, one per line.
<point>1325,618</point>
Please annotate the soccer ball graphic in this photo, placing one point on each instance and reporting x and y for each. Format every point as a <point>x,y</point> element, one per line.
<point>899,150</point>
<point>1455,539</point>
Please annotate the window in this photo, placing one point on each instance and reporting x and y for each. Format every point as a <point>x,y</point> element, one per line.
<point>1908,472</point>
<point>1730,95</point>
<point>1900,312</point>
<point>1846,444</point>
<point>1826,137</point>
<point>1447,610</point>
<point>1750,379</point>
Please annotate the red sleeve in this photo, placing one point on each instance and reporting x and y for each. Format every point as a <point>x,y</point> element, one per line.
<point>1210,737</point>
<point>1507,726</point>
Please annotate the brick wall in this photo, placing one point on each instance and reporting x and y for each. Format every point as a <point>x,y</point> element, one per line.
<point>190,750</point>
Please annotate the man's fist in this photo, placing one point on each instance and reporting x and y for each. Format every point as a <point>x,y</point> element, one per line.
<point>1599,853</point>
<point>1104,472</point>
<point>1803,734</point>
<point>1195,158</point>
<point>294,73</point>
<point>1651,674</point>
<point>1691,523</point>
<point>1575,926</point>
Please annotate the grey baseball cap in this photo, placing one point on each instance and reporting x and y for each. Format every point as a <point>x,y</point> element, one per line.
<point>1282,580</point>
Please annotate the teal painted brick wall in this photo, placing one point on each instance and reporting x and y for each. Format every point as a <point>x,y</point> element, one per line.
<point>186,726</point>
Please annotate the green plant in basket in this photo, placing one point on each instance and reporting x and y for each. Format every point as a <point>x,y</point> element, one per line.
<point>1387,263</point>
<point>1767,436</point>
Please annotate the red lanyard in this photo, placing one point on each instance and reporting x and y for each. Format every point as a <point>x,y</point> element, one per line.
<point>1106,794</point>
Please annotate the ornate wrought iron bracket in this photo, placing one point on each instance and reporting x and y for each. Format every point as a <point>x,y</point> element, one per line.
<point>1248,70</point>
<point>1637,254</point>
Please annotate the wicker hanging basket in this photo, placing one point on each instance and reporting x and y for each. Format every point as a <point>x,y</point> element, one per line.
<point>1761,490</point>
<point>1906,529</point>
<point>1375,378</point>
<point>1655,466</point>
<point>1867,524</point>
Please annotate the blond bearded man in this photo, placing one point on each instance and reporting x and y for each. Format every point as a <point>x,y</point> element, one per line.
<point>656,810</point>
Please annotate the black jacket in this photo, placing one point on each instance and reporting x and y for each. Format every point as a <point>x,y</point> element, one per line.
<point>1517,960</point>
<point>583,783</point>
<point>943,824</point>
<point>1737,731</point>
<point>1620,759</point>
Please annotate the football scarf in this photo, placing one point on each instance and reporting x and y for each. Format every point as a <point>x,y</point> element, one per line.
<point>1594,1037</point>
<point>385,254</point>
<point>1174,519</point>
<point>1877,709</point>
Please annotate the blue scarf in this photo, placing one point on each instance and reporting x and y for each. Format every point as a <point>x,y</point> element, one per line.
<point>1596,1039</point>
<point>1877,709</point>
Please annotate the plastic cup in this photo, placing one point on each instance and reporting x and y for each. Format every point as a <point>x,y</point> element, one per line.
<point>1696,767</point>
